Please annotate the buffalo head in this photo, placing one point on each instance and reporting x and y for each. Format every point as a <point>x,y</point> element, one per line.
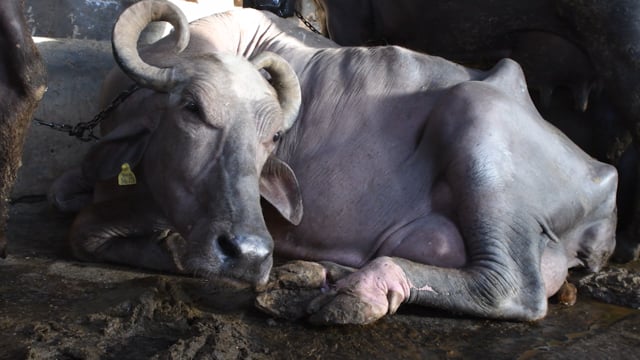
<point>199,156</point>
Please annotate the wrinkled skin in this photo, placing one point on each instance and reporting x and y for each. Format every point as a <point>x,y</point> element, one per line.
<point>196,138</point>
<point>563,45</point>
<point>146,224</point>
<point>438,185</point>
<point>22,85</point>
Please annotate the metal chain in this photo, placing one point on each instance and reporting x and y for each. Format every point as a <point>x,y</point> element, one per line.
<point>307,23</point>
<point>84,130</point>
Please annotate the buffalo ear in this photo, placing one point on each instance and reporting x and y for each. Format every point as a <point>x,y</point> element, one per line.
<point>125,144</point>
<point>279,186</point>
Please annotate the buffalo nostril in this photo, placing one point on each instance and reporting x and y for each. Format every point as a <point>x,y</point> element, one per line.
<point>229,246</point>
<point>247,248</point>
<point>245,257</point>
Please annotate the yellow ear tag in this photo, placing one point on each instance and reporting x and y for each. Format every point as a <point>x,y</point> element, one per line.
<point>126,176</point>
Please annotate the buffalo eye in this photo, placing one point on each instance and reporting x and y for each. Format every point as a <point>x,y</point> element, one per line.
<point>277,136</point>
<point>193,107</point>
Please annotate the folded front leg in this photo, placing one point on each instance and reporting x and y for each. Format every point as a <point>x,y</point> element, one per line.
<point>364,296</point>
<point>129,233</point>
<point>71,192</point>
<point>384,284</point>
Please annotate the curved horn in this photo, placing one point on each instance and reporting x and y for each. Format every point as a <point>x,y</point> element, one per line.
<point>125,39</point>
<point>285,81</point>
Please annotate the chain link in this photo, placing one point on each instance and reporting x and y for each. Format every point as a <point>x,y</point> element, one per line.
<point>307,23</point>
<point>84,130</point>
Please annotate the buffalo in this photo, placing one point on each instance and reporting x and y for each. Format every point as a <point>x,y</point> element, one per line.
<point>579,58</point>
<point>22,85</point>
<point>409,178</point>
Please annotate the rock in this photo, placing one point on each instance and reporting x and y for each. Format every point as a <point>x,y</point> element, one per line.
<point>297,274</point>
<point>291,288</point>
<point>617,286</point>
<point>287,304</point>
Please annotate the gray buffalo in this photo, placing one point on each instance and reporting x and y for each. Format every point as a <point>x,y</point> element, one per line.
<point>580,54</point>
<point>22,85</point>
<point>440,185</point>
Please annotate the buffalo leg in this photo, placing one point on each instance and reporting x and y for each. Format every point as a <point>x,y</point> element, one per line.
<point>519,218</point>
<point>126,232</point>
<point>71,192</point>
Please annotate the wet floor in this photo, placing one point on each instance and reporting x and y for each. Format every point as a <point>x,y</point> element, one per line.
<point>52,307</point>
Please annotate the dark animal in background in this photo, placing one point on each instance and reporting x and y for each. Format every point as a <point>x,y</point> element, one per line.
<point>582,44</point>
<point>22,85</point>
<point>439,185</point>
<point>573,53</point>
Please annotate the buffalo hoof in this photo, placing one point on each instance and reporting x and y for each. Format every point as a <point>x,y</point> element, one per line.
<point>363,296</point>
<point>175,245</point>
<point>293,286</point>
<point>327,293</point>
<point>345,308</point>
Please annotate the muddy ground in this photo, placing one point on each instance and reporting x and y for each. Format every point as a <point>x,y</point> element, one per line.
<point>52,307</point>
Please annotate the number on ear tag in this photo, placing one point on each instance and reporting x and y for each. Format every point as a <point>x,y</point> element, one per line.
<point>126,176</point>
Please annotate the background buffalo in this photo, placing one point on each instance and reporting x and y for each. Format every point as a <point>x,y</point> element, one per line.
<point>580,59</point>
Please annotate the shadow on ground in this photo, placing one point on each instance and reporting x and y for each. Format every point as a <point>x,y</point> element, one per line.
<point>52,307</point>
